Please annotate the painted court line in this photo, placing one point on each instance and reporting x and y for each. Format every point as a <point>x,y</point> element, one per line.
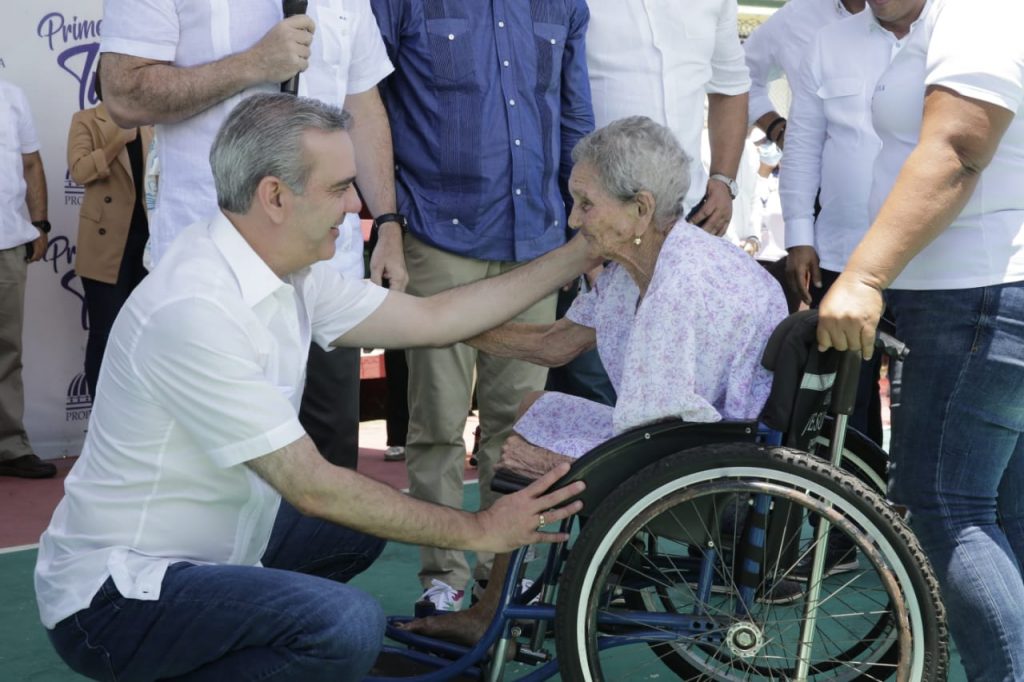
<point>20,548</point>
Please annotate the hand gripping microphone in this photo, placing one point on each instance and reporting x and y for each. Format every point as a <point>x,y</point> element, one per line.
<point>291,8</point>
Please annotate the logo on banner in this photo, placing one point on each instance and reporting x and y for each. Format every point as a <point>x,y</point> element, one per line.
<point>79,402</point>
<point>76,43</point>
<point>73,192</point>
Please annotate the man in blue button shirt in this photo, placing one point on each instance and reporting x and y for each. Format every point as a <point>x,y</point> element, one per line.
<point>486,103</point>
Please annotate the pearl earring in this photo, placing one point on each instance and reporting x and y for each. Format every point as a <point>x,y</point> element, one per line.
<point>637,241</point>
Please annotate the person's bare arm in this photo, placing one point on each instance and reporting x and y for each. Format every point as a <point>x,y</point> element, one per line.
<point>404,321</point>
<point>547,345</point>
<point>727,131</point>
<point>317,488</point>
<point>959,136</point>
<point>778,131</point>
<point>371,138</point>
<point>141,91</point>
<point>35,199</point>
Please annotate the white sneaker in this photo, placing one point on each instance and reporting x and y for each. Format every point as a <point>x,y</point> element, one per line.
<point>443,596</point>
<point>395,453</point>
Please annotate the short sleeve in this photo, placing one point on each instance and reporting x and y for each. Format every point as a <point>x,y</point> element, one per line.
<point>141,28</point>
<point>370,64</point>
<point>729,73</point>
<point>28,140</point>
<point>340,303</point>
<point>583,310</point>
<point>976,51</point>
<point>201,366</point>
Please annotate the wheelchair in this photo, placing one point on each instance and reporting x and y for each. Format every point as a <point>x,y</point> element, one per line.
<point>689,533</point>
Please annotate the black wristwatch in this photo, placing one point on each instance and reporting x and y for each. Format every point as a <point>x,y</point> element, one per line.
<point>42,225</point>
<point>389,218</point>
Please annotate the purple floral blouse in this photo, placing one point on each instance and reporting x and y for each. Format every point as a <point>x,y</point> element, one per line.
<point>691,349</point>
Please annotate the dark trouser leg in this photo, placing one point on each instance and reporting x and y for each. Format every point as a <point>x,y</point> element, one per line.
<point>330,404</point>
<point>397,401</point>
<point>104,301</point>
<point>958,462</point>
<point>585,376</point>
<point>216,622</point>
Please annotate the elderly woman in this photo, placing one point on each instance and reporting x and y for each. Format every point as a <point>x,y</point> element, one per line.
<point>679,317</point>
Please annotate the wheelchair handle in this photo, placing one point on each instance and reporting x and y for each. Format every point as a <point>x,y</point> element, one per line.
<point>844,392</point>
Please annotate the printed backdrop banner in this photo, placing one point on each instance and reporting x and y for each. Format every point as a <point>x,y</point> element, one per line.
<point>50,50</point>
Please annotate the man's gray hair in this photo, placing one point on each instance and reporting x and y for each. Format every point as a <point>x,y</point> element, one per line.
<point>261,137</point>
<point>635,154</point>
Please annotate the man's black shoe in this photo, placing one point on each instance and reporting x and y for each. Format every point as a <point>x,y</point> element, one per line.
<point>27,466</point>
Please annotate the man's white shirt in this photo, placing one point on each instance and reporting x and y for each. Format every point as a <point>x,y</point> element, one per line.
<point>347,57</point>
<point>203,372</point>
<point>973,48</point>
<point>830,141</point>
<point>17,137</point>
<point>777,47</point>
<point>660,58</point>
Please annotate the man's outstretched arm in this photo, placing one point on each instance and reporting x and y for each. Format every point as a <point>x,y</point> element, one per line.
<point>317,488</point>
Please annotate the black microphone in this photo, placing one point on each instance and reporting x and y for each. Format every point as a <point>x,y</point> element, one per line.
<point>291,8</point>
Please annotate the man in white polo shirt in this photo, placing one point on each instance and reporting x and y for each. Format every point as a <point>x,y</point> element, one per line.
<point>151,566</point>
<point>947,248</point>
<point>22,240</point>
<point>190,65</point>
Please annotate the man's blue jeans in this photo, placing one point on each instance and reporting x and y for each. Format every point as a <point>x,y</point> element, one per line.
<point>293,619</point>
<point>958,461</point>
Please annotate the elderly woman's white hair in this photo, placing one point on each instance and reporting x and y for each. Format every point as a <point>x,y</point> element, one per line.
<point>635,154</point>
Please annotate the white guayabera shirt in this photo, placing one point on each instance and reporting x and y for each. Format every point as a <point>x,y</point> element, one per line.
<point>203,372</point>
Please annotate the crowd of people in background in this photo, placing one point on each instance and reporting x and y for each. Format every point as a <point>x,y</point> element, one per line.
<point>890,180</point>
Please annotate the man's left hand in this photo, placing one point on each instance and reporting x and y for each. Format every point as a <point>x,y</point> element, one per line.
<point>715,214</point>
<point>848,316</point>
<point>388,259</point>
<point>39,245</point>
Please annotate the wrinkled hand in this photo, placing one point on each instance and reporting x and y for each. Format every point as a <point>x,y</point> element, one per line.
<point>715,214</point>
<point>284,50</point>
<point>39,245</point>
<point>387,262</point>
<point>511,522</point>
<point>848,316</point>
<point>803,270</point>
<point>129,134</point>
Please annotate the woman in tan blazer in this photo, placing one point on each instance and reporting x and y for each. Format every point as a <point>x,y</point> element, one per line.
<point>112,228</point>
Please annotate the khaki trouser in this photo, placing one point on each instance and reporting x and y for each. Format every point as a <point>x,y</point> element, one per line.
<point>440,390</point>
<point>13,439</point>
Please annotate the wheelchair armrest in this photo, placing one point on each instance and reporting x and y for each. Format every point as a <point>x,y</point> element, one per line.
<point>615,460</point>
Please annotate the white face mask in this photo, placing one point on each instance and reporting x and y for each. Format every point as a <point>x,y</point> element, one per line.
<point>770,154</point>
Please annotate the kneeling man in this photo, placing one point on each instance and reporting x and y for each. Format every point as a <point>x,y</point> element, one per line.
<point>172,553</point>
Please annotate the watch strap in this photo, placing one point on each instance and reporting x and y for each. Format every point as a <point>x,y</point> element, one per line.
<point>391,218</point>
<point>728,182</point>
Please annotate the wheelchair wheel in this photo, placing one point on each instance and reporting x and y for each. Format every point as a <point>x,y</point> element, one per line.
<point>642,594</point>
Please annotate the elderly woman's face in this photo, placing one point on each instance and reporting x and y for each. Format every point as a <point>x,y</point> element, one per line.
<point>607,223</point>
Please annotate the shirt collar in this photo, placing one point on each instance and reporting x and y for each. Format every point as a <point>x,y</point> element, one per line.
<point>256,281</point>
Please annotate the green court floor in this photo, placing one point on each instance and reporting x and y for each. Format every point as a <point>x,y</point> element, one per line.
<point>25,653</point>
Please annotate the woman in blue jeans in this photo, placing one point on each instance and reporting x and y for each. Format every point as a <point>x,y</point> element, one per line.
<point>948,244</point>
